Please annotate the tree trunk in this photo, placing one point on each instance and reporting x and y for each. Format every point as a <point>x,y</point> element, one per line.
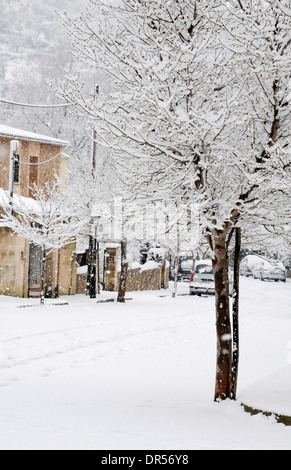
<point>235,315</point>
<point>177,262</point>
<point>93,271</point>
<point>123,274</point>
<point>174,293</point>
<point>223,324</point>
<point>90,265</point>
<point>43,275</point>
<point>163,272</point>
<point>98,267</point>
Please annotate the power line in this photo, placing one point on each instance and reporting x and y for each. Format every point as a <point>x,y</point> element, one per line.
<point>46,161</point>
<point>28,105</point>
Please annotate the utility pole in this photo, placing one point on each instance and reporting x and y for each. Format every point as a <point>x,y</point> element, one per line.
<point>94,136</point>
<point>93,257</point>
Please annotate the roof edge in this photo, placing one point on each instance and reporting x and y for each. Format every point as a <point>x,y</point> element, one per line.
<point>26,136</point>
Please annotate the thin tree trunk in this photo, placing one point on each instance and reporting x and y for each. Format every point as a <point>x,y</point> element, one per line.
<point>176,268</point>
<point>90,265</point>
<point>123,274</point>
<point>235,315</point>
<point>43,275</point>
<point>223,324</point>
<point>93,271</point>
<point>177,260</point>
<point>163,272</point>
<point>98,267</point>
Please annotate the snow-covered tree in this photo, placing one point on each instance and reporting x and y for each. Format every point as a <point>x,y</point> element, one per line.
<point>198,112</point>
<point>49,220</point>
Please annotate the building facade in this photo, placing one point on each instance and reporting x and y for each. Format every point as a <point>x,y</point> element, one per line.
<point>37,161</point>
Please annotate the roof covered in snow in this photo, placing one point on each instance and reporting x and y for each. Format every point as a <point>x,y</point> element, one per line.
<point>13,133</point>
<point>31,205</point>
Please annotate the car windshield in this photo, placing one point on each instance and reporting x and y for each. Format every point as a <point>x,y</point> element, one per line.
<point>204,269</point>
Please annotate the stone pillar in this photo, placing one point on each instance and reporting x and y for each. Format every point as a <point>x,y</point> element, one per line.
<point>111,269</point>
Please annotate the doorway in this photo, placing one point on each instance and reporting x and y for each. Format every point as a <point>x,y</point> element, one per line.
<point>34,270</point>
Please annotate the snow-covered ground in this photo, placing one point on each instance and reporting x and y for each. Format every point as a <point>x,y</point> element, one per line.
<point>141,375</point>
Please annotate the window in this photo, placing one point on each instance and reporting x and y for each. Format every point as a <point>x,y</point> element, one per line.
<point>16,169</point>
<point>204,269</point>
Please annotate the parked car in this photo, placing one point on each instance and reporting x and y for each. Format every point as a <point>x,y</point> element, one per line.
<point>202,280</point>
<point>248,264</point>
<point>270,270</point>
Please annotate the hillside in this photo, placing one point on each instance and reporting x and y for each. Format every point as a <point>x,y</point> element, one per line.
<point>34,50</point>
<point>29,31</point>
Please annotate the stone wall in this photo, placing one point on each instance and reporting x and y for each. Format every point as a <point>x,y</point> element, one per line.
<point>67,270</point>
<point>148,279</point>
<point>150,276</point>
<point>111,269</point>
<point>13,264</point>
<point>81,283</point>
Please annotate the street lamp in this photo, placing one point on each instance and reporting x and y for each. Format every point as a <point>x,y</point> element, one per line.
<point>93,252</point>
<point>14,147</point>
<point>95,281</point>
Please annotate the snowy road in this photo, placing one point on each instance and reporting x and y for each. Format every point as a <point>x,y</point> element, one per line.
<point>136,376</point>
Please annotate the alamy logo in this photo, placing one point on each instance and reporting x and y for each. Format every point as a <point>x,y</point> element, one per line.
<point>166,223</point>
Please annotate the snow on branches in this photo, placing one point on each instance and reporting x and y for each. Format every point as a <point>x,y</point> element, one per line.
<point>199,97</point>
<point>48,220</point>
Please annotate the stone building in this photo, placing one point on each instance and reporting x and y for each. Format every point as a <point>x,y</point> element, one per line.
<point>37,161</point>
